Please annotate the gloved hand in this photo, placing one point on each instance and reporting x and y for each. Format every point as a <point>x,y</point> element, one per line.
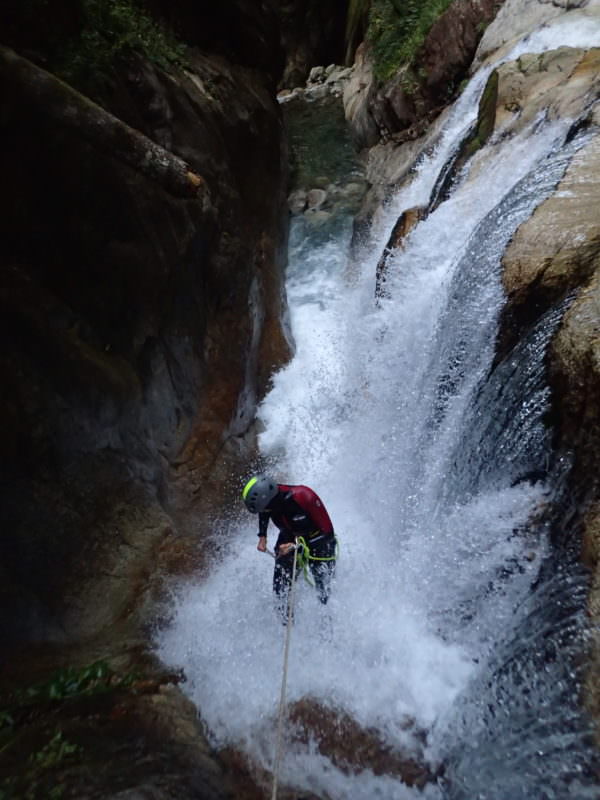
<point>286,548</point>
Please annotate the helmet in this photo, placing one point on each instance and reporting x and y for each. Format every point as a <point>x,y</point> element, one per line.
<point>258,493</point>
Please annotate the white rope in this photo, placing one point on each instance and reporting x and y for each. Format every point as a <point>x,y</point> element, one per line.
<point>286,651</point>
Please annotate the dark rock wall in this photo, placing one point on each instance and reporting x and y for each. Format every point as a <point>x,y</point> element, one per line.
<point>126,317</point>
<point>313,33</point>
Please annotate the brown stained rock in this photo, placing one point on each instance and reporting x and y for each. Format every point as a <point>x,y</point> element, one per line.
<point>353,748</point>
<point>451,44</point>
<point>350,747</point>
<point>591,556</point>
<point>404,225</point>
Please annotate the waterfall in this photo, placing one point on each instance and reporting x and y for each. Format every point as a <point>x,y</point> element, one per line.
<point>434,468</point>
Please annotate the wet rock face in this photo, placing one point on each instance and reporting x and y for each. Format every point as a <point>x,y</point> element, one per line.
<point>575,370</point>
<point>574,365</point>
<point>556,250</point>
<point>553,256</point>
<point>448,50</point>
<point>125,314</point>
<point>516,17</point>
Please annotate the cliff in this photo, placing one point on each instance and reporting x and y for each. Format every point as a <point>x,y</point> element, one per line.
<point>144,240</point>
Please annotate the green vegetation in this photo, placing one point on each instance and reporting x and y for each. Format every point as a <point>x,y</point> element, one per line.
<point>24,726</point>
<point>36,781</point>
<point>486,118</point>
<point>53,752</point>
<point>110,30</point>
<point>356,24</point>
<point>83,41</point>
<point>69,682</point>
<point>396,30</point>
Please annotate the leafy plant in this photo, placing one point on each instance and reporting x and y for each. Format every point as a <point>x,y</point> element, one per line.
<point>6,720</point>
<point>65,683</point>
<point>53,753</point>
<point>110,30</point>
<point>68,682</point>
<point>32,783</point>
<point>397,29</point>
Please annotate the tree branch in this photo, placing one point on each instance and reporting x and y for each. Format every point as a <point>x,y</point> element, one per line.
<point>61,103</point>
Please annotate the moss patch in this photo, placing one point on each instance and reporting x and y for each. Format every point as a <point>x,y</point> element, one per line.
<point>397,29</point>
<point>83,41</point>
<point>110,30</point>
<point>486,117</point>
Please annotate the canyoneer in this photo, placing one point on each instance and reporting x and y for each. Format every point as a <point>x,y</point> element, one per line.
<point>304,527</point>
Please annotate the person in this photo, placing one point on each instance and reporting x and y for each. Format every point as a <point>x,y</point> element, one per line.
<point>298,512</point>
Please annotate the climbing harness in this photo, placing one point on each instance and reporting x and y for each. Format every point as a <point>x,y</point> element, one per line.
<point>305,557</point>
<point>286,652</point>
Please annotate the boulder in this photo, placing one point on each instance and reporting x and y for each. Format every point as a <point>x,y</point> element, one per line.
<point>297,201</point>
<point>315,198</point>
<point>356,95</point>
<point>354,748</point>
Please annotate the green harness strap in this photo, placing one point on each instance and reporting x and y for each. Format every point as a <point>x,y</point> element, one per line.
<point>304,556</point>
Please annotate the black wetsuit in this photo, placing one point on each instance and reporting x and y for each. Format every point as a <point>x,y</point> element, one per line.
<point>298,511</point>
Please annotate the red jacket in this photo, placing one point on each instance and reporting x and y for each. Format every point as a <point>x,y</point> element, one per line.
<point>297,511</point>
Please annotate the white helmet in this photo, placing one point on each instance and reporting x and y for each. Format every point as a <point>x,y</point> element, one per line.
<point>258,493</point>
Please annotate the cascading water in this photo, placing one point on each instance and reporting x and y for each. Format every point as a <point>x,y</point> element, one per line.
<point>441,610</point>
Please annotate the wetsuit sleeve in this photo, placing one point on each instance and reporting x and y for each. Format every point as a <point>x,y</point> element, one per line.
<point>313,506</point>
<point>263,522</point>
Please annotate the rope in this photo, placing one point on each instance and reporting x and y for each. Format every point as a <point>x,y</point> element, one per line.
<point>286,651</point>
<point>302,556</point>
